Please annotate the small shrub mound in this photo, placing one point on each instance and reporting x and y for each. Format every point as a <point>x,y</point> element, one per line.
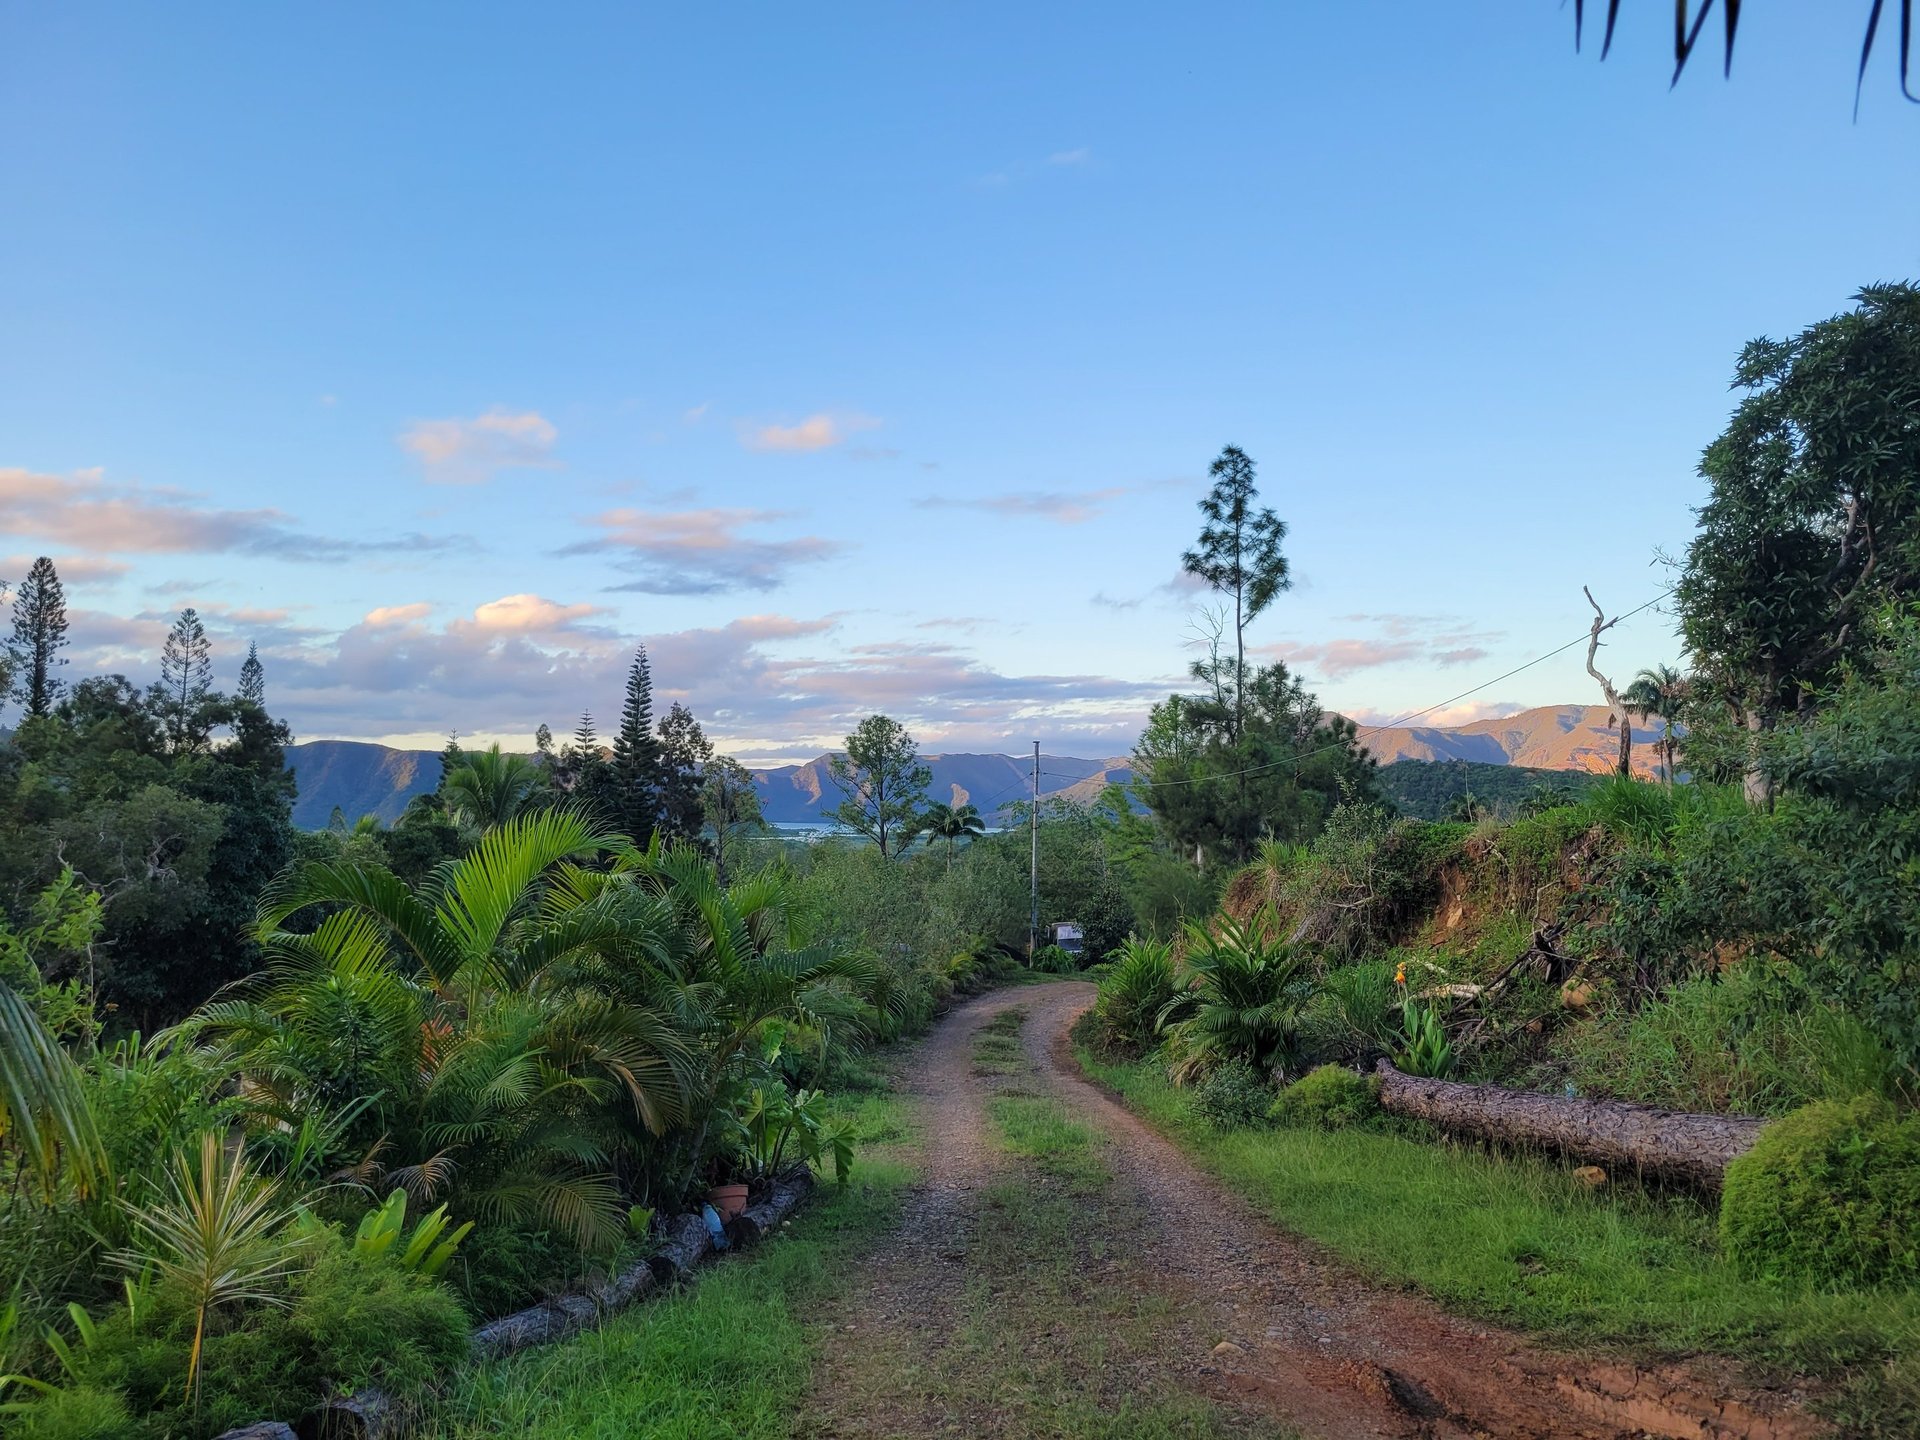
<point>1233,1096</point>
<point>1330,1098</point>
<point>1052,960</point>
<point>1829,1193</point>
<point>1134,991</point>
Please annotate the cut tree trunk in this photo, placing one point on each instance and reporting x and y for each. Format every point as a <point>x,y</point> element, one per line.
<point>1669,1144</point>
<point>760,1220</point>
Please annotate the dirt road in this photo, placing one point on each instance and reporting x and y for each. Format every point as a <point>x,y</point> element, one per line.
<point>1203,1298</point>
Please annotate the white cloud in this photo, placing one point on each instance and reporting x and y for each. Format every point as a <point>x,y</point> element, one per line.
<point>466,452</point>
<point>1080,156</point>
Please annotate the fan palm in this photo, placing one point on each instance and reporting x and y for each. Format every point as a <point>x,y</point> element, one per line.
<point>951,823</point>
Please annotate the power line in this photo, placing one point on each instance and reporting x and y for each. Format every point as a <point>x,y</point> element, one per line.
<point>1295,760</point>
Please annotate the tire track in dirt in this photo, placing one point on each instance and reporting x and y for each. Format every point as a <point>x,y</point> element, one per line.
<point>1344,1359</point>
<point>1312,1345</point>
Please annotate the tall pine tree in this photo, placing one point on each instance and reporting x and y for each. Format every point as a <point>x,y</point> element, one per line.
<point>636,757</point>
<point>253,677</point>
<point>186,676</point>
<point>39,634</point>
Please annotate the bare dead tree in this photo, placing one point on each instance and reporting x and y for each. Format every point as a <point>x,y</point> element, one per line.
<point>1621,715</point>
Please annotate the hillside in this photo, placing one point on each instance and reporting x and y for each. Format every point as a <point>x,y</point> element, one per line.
<point>1550,737</point>
<point>1426,789</point>
<point>367,779</point>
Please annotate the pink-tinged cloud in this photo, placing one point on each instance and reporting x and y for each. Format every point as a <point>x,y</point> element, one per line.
<point>75,571</point>
<point>1336,659</point>
<point>699,552</point>
<point>467,452</point>
<point>384,615</point>
<point>1063,507</point>
<point>528,615</point>
<point>83,509</point>
<point>816,432</point>
<point>1448,717</point>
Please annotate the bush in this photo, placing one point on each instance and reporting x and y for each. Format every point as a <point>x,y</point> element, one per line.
<point>1829,1193</point>
<point>1052,960</point>
<point>1134,992</point>
<point>79,1412</point>
<point>353,1321</point>
<point>1233,1096</point>
<point>1330,1098</point>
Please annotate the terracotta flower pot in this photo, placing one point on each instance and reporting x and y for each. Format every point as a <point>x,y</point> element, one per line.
<point>728,1201</point>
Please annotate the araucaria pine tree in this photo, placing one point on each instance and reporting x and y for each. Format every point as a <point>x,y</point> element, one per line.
<point>636,757</point>
<point>39,634</point>
<point>1239,556</point>
<point>186,675</point>
<point>253,678</point>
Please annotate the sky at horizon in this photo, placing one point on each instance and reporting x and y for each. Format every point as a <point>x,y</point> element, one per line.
<point>871,358</point>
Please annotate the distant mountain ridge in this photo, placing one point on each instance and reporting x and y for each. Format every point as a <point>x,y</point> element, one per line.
<point>361,778</point>
<point>1548,737</point>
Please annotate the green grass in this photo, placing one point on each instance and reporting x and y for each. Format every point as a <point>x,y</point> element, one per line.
<point>1516,1240</point>
<point>730,1356</point>
<point>996,1045</point>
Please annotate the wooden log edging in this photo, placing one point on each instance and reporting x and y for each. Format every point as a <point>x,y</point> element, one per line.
<point>1669,1144</point>
<point>369,1414</point>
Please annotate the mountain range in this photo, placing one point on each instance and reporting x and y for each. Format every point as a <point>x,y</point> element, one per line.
<point>360,778</point>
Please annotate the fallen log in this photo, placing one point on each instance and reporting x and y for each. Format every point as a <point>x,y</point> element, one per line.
<point>761,1219</point>
<point>364,1415</point>
<point>687,1243</point>
<point>1669,1144</point>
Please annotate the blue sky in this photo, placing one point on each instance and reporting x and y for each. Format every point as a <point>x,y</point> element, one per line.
<point>864,357</point>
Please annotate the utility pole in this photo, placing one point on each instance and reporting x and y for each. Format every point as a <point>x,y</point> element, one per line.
<point>1033,826</point>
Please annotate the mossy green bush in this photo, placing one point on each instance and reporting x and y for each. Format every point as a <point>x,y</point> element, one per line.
<point>1233,1096</point>
<point>1330,1098</point>
<point>1830,1193</point>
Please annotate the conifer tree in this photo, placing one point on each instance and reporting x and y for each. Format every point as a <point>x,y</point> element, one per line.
<point>186,675</point>
<point>39,634</point>
<point>253,677</point>
<point>636,757</point>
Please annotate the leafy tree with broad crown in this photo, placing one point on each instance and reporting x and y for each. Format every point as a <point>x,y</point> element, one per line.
<point>1812,520</point>
<point>883,781</point>
<point>685,752</point>
<point>39,634</point>
<point>727,802</point>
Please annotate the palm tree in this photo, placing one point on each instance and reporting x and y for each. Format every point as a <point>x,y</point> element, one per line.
<point>1243,996</point>
<point>951,823</point>
<point>473,1027</point>
<point>488,788</point>
<point>1657,693</point>
<point>44,1114</point>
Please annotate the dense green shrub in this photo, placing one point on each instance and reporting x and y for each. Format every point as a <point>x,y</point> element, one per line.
<point>1136,989</point>
<point>1750,1040</point>
<point>1233,1096</point>
<point>1330,1098</point>
<point>1830,1193</point>
<point>1052,960</point>
<point>79,1412</point>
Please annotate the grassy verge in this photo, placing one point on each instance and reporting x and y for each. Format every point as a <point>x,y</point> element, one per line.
<point>728,1357</point>
<point>996,1045</point>
<point>1517,1240</point>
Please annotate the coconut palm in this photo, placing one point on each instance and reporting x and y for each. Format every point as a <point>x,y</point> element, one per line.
<point>1656,693</point>
<point>951,823</point>
<point>489,788</point>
